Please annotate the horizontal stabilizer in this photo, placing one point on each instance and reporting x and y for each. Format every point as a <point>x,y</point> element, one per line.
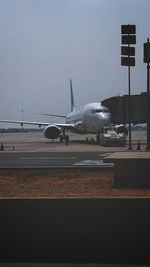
<point>53,115</point>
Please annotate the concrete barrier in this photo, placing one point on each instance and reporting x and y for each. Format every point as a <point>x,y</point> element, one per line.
<point>131,169</point>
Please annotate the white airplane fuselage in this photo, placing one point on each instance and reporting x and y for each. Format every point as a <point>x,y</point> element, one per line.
<point>90,118</point>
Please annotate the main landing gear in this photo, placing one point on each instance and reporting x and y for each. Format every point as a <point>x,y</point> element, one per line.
<point>98,138</point>
<point>64,137</point>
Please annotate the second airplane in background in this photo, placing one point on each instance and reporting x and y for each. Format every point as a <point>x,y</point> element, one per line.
<point>89,119</point>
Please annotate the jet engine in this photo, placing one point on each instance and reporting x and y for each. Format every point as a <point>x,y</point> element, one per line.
<point>52,132</point>
<point>121,129</point>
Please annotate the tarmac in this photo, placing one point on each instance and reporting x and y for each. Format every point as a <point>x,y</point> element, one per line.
<point>36,142</point>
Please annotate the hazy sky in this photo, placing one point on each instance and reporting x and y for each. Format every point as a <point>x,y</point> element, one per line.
<point>44,43</point>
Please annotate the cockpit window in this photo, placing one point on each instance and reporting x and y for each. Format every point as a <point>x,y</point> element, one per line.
<point>97,110</point>
<point>106,111</point>
<point>100,110</point>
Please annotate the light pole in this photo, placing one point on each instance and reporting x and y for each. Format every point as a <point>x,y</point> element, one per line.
<point>128,59</point>
<point>22,110</point>
<point>147,60</point>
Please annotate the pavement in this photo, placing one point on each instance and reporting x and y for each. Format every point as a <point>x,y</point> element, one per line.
<point>31,149</point>
<point>36,142</point>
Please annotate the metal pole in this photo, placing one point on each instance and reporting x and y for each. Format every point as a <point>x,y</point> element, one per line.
<point>22,113</point>
<point>129,106</point>
<point>22,110</point>
<point>148,102</point>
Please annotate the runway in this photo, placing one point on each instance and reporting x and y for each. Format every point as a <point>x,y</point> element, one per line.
<point>52,159</point>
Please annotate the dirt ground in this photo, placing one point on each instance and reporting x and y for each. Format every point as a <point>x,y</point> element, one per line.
<point>63,183</point>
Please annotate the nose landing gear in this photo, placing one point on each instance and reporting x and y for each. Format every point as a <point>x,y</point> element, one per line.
<point>98,138</point>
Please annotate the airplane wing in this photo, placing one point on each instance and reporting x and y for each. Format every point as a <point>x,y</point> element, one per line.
<point>26,122</point>
<point>61,125</point>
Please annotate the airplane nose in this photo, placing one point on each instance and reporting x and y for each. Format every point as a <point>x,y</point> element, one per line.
<point>105,118</point>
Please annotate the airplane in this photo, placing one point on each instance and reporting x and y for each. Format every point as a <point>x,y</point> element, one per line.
<point>89,119</point>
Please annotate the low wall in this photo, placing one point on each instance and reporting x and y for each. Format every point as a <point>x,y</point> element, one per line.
<point>131,169</point>
<point>104,230</point>
<point>130,173</point>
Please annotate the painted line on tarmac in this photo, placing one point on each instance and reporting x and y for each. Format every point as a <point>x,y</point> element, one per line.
<point>49,158</point>
<point>88,162</point>
<point>104,154</point>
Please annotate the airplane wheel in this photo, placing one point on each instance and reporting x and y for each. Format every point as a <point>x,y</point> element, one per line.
<point>67,136</point>
<point>61,139</point>
<point>67,139</point>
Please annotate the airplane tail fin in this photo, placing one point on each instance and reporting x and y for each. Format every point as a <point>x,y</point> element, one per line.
<point>72,97</point>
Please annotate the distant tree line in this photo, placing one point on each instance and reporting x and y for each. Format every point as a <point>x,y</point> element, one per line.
<point>25,130</point>
<point>19,130</point>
